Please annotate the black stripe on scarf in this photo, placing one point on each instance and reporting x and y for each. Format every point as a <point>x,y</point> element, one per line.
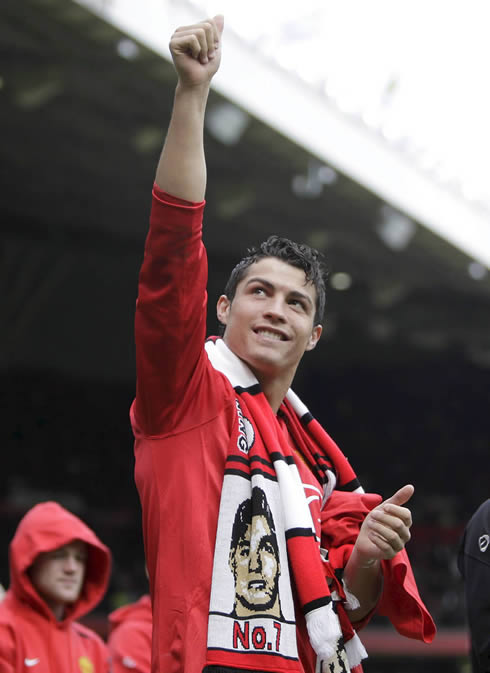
<point>318,603</point>
<point>244,619</point>
<point>258,459</point>
<point>249,460</point>
<point>350,486</point>
<point>299,532</point>
<point>238,473</point>
<point>252,390</point>
<point>306,418</point>
<point>237,459</point>
<point>266,475</point>
<point>248,475</point>
<point>275,455</point>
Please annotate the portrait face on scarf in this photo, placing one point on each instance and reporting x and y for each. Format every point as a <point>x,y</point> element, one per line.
<point>254,559</point>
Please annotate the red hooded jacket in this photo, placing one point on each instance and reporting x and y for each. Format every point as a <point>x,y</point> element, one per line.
<point>30,636</point>
<point>130,637</point>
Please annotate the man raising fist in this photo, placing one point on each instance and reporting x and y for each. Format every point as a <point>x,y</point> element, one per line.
<point>263,551</point>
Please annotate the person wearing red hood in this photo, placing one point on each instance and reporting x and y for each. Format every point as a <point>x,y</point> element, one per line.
<point>130,637</point>
<point>59,571</point>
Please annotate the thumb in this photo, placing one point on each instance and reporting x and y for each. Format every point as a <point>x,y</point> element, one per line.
<point>402,496</point>
<point>219,20</point>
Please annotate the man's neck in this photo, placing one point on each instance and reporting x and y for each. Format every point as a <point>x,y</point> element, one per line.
<point>275,391</point>
<point>273,384</point>
<point>58,609</point>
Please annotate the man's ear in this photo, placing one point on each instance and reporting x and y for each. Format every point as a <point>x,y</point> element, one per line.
<point>223,309</point>
<point>316,333</point>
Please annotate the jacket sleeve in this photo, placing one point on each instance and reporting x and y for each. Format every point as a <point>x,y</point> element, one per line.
<point>7,650</point>
<point>474,565</point>
<point>170,323</point>
<point>401,601</point>
<point>130,649</point>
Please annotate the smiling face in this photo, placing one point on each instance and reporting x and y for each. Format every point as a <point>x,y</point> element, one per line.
<point>269,323</point>
<point>58,575</point>
<point>255,565</point>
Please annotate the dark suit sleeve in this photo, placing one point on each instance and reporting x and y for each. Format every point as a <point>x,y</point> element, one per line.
<point>474,565</point>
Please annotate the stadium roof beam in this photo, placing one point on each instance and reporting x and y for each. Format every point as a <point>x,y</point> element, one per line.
<point>308,117</point>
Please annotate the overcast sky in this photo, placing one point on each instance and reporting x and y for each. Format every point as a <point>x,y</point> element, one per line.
<point>418,70</point>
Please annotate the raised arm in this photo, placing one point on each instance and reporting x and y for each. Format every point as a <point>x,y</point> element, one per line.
<point>196,52</point>
<point>170,322</point>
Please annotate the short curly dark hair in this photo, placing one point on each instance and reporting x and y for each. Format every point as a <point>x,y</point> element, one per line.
<point>299,255</point>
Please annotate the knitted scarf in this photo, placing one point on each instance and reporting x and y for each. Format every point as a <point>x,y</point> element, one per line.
<point>267,554</point>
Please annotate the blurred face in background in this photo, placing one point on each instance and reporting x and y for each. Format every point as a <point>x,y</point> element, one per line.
<point>58,575</point>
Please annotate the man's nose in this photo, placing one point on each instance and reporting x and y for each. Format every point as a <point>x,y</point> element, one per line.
<point>71,564</point>
<point>275,309</point>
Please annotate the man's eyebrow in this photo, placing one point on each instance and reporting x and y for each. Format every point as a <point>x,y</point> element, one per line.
<point>293,293</point>
<point>301,295</point>
<point>258,279</point>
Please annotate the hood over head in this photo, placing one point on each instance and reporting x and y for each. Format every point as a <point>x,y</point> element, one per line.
<point>45,527</point>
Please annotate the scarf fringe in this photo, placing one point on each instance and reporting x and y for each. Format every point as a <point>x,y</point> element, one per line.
<point>324,630</point>
<point>355,651</point>
<point>351,602</point>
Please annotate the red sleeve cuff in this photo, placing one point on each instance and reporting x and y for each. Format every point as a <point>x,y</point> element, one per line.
<point>173,200</point>
<point>401,602</point>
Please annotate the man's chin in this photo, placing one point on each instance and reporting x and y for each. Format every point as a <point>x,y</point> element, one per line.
<point>266,364</point>
<point>69,599</point>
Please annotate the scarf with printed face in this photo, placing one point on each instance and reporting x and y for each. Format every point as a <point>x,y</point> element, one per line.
<point>266,542</point>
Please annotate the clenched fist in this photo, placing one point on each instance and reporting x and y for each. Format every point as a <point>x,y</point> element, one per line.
<point>196,51</point>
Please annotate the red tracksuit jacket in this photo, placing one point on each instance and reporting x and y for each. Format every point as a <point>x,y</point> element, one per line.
<point>183,418</point>
<point>130,637</point>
